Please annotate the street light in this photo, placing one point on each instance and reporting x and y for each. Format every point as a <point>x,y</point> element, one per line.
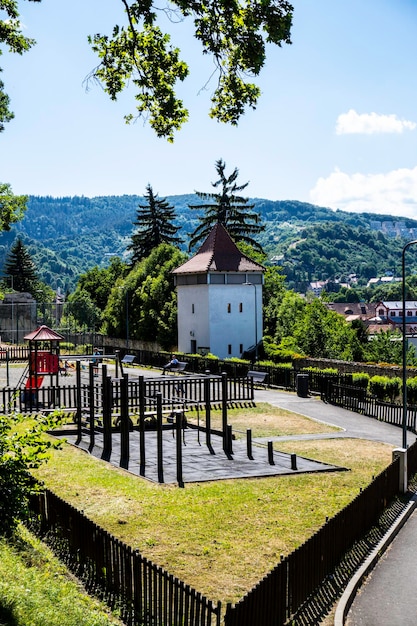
<point>256,320</point>
<point>407,245</point>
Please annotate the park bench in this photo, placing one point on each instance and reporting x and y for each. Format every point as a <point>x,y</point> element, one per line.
<point>177,369</point>
<point>258,378</point>
<point>128,359</point>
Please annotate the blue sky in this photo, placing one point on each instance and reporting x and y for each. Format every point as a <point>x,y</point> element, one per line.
<point>336,124</point>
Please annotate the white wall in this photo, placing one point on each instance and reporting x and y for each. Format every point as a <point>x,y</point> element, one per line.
<point>211,325</point>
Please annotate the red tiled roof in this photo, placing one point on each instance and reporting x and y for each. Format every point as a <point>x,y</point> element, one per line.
<point>43,333</point>
<point>218,253</point>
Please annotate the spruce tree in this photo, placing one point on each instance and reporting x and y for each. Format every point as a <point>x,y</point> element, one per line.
<point>20,267</point>
<point>228,208</point>
<point>154,222</point>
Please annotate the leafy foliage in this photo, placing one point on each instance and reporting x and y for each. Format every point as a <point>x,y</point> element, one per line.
<point>21,448</point>
<point>12,208</point>
<point>11,35</point>
<point>235,34</point>
<point>154,221</point>
<point>227,208</point>
<point>148,297</point>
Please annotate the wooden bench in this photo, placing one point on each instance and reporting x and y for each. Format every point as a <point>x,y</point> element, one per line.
<point>258,378</point>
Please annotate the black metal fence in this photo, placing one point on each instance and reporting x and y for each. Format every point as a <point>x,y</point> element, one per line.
<point>143,592</point>
<point>357,399</point>
<point>173,389</point>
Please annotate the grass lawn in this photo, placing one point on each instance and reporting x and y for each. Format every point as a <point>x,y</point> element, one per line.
<point>36,589</point>
<point>221,537</point>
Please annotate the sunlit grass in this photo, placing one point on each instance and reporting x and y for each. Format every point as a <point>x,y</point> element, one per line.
<point>36,590</point>
<point>221,537</point>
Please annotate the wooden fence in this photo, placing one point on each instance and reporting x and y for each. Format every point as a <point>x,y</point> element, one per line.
<point>143,592</point>
<point>147,594</point>
<point>286,588</point>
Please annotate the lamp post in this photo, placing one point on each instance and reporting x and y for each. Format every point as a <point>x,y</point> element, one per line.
<point>127,319</point>
<point>407,245</point>
<point>256,319</point>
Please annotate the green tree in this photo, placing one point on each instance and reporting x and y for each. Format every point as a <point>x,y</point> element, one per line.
<point>98,282</point>
<point>154,226</point>
<point>12,208</point>
<point>20,267</point>
<point>235,34</point>
<point>11,35</point>
<point>227,208</point>
<point>21,449</point>
<point>147,295</point>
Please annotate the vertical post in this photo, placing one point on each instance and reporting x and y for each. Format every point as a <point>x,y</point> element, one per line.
<point>142,425</point>
<point>293,461</point>
<point>208,413</point>
<point>178,427</point>
<point>117,361</point>
<point>78,401</point>
<point>159,437</point>
<point>271,453</point>
<point>224,412</point>
<point>107,408</point>
<point>404,425</point>
<point>249,444</point>
<point>91,398</point>
<point>124,423</point>
<point>229,440</point>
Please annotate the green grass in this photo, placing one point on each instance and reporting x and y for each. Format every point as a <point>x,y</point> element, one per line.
<point>36,590</point>
<point>220,537</point>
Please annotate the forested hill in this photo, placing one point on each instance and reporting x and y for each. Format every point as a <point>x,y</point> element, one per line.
<point>66,236</point>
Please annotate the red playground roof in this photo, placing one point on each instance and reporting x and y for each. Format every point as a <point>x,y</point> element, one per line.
<point>43,333</point>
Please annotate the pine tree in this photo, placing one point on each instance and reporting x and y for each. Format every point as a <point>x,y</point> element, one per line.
<point>21,268</point>
<point>229,209</point>
<point>154,222</point>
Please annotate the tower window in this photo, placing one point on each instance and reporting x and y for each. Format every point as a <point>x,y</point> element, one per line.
<point>229,308</point>
<point>240,307</point>
<point>192,308</point>
<point>229,349</point>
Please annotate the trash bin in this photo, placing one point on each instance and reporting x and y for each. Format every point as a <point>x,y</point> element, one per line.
<point>302,385</point>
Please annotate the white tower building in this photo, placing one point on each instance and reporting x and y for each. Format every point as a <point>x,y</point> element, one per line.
<point>219,299</point>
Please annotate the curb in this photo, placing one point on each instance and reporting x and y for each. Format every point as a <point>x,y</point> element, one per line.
<point>349,593</point>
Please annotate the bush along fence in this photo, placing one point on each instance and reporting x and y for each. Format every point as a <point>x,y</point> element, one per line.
<point>146,594</point>
<point>141,591</point>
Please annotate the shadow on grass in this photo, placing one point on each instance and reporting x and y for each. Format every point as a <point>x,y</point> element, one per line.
<point>7,617</point>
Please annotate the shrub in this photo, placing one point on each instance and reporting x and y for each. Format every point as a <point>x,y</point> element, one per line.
<point>385,388</point>
<point>412,390</point>
<point>360,380</point>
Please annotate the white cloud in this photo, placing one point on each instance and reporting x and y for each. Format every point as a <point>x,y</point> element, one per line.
<point>370,123</point>
<point>392,193</point>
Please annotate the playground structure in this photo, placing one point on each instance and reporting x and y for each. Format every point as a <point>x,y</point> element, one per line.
<point>140,423</point>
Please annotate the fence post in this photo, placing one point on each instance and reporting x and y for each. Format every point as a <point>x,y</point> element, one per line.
<point>208,412</point>
<point>179,424</point>
<point>78,402</point>
<point>142,425</point>
<point>107,392</point>
<point>159,437</point>
<point>401,454</point>
<point>91,406</point>
<point>124,423</point>
<point>224,412</point>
